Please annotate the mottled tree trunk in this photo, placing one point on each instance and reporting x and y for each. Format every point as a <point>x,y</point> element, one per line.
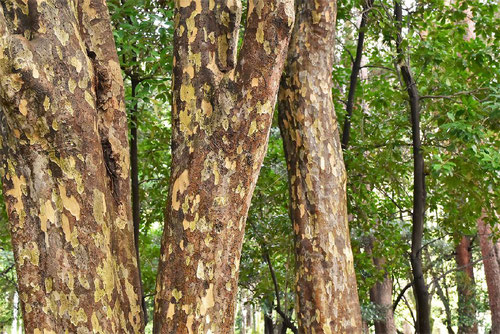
<point>381,295</point>
<point>467,321</point>
<point>326,283</point>
<point>491,262</point>
<point>65,168</point>
<point>222,112</point>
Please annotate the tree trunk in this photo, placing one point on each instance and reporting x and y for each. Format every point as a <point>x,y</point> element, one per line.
<point>222,113</point>
<point>418,214</point>
<point>467,321</point>
<point>491,262</point>
<point>326,283</point>
<point>268,324</point>
<point>248,316</point>
<point>356,67</point>
<point>65,168</point>
<point>381,295</point>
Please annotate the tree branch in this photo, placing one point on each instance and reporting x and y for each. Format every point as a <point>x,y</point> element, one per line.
<point>400,296</point>
<point>286,320</point>
<point>453,96</point>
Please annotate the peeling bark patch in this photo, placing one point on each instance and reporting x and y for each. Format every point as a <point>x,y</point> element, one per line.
<point>180,185</point>
<point>111,166</point>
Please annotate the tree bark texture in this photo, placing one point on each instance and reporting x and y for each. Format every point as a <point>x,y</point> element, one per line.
<point>222,113</point>
<point>419,193</point>
<point>326,287</point>
<point>381,295</point>
<point>491,262</point>
<point>467,321</point>
<point>65,167</point>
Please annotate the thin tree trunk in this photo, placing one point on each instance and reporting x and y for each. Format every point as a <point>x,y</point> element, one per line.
<point>268,324</point>
<point>134,171</point>
<point>65,167</point>
<point>443,295</point>
<point>467,321</point>
<point>134,168</point>
<point>326,282</point>
<point>418,216</point>
<point>356,67</point>
<point>287,323</point>
<point>249,317</point>
<point>491,264</point>
<point>222,113</point>
<point>381,295</point>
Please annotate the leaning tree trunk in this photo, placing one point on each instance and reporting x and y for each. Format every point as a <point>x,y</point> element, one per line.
<point>467,321</point>
<point>65,167</point>
<point>326,282</point>
<point>491,262</point>
<point>222,113</point>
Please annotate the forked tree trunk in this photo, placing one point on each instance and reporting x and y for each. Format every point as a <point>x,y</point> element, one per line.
<point>65,168</point>
<point>222,113</point>
<point>467,321</point>
<point>326,282</point>
<point>491,262</point>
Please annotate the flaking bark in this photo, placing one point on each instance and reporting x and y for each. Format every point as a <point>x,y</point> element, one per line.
<point>222,112</point>
<point>65,168</point>
<point>325,282</point>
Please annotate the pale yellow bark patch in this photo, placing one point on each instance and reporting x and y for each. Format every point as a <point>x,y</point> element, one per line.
<point>69,202</point>
<point>180,185</point>
<point>47,214</point>
<point>207,301</point>
<point>23,107</point>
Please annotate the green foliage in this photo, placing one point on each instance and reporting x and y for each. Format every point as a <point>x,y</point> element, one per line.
<point>8,278</point>
<point>143,31</point>
<point>458,81</point>
<point>269,230</point>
